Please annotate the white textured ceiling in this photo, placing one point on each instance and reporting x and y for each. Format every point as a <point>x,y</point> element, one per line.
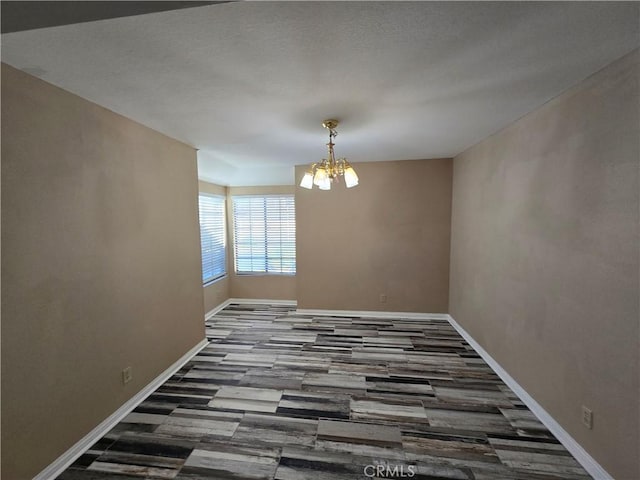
<point>249,83</point>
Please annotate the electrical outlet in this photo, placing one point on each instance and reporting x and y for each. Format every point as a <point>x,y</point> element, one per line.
<point>587,417</point>
<point>127,375</point>
<point>383,298</point>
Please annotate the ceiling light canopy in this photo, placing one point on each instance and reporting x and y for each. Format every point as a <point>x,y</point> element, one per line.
<point>329,169</point>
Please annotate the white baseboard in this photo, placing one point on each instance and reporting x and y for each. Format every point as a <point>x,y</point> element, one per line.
<point>71,455</point>
<point>333,313</point>
<point>245,301</point>
<point>215,310</point>
<point>580,454</point>
<point>374,314</point>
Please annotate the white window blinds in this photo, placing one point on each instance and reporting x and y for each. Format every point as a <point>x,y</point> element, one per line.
<point>212,236</point>
<point>265,234</point>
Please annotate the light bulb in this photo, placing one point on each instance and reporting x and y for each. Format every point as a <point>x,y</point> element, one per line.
<point>325,184</point>
<point>320,176</point>
<point>350,177</point>
<point>307,180</point>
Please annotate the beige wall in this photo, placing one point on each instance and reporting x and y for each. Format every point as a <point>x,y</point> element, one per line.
<point>544,261</point>
<point>218,291</point>
<point>100,265</point>
<point>389,235</point>
<point>272,287</point>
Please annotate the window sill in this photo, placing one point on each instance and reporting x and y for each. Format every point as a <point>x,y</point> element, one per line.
<point>215,280</point>
<point>263,274</point>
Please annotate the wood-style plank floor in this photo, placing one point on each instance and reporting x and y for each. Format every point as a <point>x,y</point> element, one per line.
<point>276,395</point>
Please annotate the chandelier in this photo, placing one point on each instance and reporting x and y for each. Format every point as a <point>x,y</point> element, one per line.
<point>329,169</point>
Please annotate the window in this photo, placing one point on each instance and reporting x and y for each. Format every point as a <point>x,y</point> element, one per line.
<point>265,234</point>
<point>212,237</point>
